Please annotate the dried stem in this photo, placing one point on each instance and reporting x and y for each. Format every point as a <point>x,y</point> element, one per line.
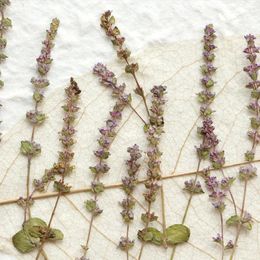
<point>30,148</point>
<point>117,185</point>
<point>239,224</point>
<point>112,31</point>
<point>63,167</point>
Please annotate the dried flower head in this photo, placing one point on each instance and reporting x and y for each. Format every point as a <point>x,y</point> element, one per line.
<point>129,183</point>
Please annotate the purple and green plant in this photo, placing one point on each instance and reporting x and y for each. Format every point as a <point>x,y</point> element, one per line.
<point>108,79</point>
<point>123,53</point>
<point>5,24</point>
<point>129,183</point>
<point>23,240</point>
<point>246,173</point>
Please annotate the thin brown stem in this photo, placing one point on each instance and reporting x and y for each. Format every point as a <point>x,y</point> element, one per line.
<point>239,224</point>
<point>191,194</point>
<point>137,113</point>
<point>188,203</point>
<point>49,224</point>
<point>231,194</point>
<point>27,208</point>
<point>140,89</point>
<point>86,246</point>
<point>146,226</point>
<point>116,185</point>
<point>127,237</point>
<point>222,235</point>
<point>163,216</point>
<point>88,235</point>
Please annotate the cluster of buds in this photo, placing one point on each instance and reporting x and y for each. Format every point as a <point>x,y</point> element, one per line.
<point>63,167</point>
<point>123,53</point>
<point>36,117</point>
<point>208,148</point>
<point>252,70</point>
<point>5,24</point>
<point>218,239</point>
<point>108,24</point>
<point>218,190</point>
<point>108,79</point>
<point>154,131</point>
<point>193,187</point>
<point>129,183</point>
<point>247,172</point>
<point>44,61</point>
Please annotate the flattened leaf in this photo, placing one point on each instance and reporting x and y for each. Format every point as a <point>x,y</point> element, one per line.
<point>151,235</point>
<point>35,227</point>
<point>55,234</point>
<point>177,234</point>
<point>233,220</point>
<point>23,242</point>
<point>248,225</point>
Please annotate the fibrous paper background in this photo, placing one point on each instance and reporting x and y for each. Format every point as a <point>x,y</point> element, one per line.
<point>175,65</point>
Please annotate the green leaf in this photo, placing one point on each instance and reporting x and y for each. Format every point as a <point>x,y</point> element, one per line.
<point>7,22</point>
<point>177,234</point>
<point>30,148</point>
<point>1,83</point>
<point>248,225</point>
<point>55,234</point>
<point>23,242</point>
<point>2,57</point>
<point>90,205</point>
<point>151,235</point>
<point>112,20</point>
<point>233,220</point>
<point>35,227</point>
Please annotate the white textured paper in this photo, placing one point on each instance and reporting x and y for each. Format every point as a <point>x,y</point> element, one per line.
<point>165,39</point>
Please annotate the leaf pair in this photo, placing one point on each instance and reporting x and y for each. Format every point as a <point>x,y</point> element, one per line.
<point>175,234</point>
<point>34,230</point>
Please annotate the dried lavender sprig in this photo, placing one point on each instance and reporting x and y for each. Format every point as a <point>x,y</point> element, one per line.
<point>30,148</point>
<point>208,148</point>
<point>5,24</point>
<point>108,133</point>
<point>248,172</point>
<point>154,130</point>
<point>66,155</point>
<point>129,183</point>
<point>107,78</point>
<point>123,53</point>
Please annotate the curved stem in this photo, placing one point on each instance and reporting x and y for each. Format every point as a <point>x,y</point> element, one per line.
<point>231,194</point>
<point>146,226</point>
<point>222,235</point>
<point>141,91</point>
<point>239,225</point>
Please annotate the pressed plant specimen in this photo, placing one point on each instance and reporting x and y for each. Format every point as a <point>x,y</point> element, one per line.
<point>63,167</point>
<point>208,149</point>
<point>30,148</point>
<point>246,173</point>
<point>108,133</point>
<point>5,24</point>
<point>174,234</point>
<point>123,53</point>
<point>35,231</point>
<point>129,183</point>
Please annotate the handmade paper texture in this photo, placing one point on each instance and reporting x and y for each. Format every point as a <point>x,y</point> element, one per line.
<point>177,67</point>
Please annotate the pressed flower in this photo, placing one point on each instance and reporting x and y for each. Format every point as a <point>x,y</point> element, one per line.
<point>30,148</point>
<point>63,166</point>
<point>128,203</point>
<point>246,173</point>
<point>108,132</point>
